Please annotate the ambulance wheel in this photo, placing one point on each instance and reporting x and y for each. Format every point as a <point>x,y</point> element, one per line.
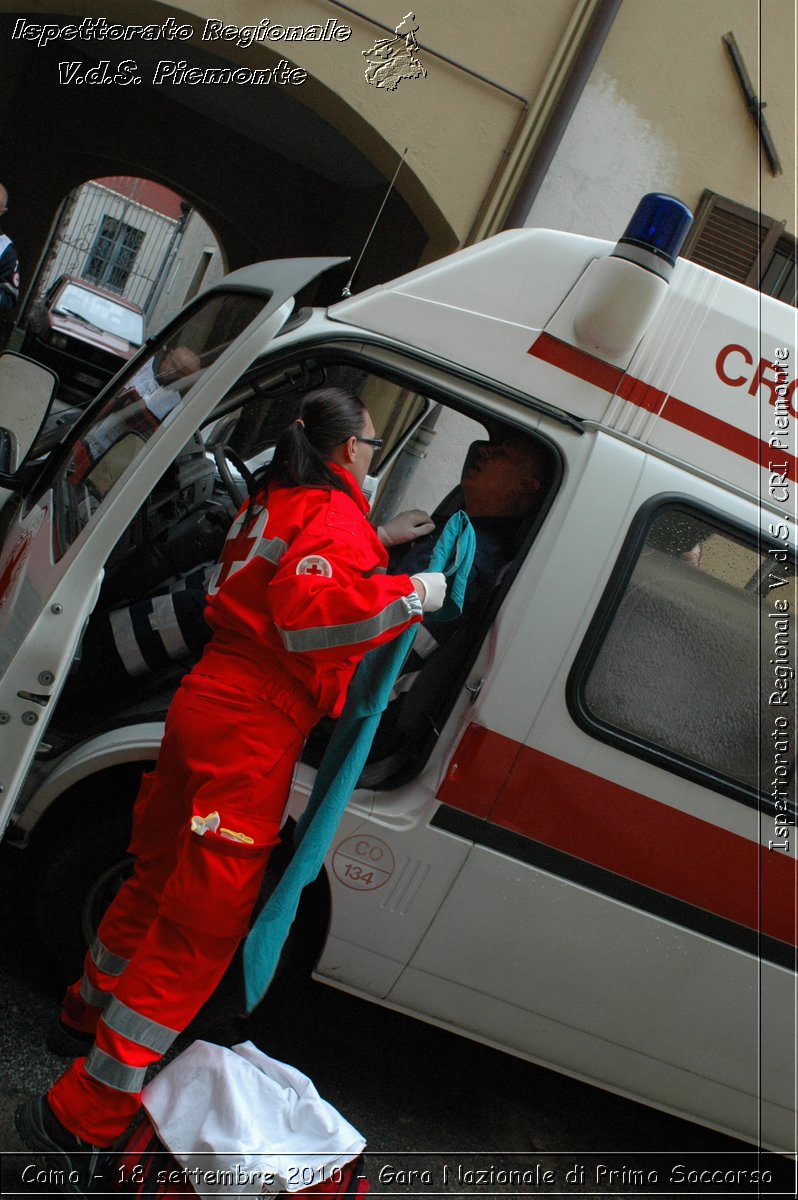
<point>77,876</point>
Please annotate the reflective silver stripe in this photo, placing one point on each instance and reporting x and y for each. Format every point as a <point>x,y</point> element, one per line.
<point>424,643</point>
<point>272,550</point>
<point>325,637</point>
<point>136,1028</point>
<point>163,620</point>
<point>213,580</point>
<point>414,605</point>
<point>125,642</point>
<point>403,684</point>
<point>105,961</point>
<point>92,995</point>
<point>113,1073</point>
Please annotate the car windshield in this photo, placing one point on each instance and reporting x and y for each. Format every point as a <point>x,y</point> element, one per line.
<point>102,312</point>
<point>148,397</point>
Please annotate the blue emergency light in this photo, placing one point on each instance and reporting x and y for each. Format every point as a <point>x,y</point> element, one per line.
<point>659,226</point>
<point>614,302</point>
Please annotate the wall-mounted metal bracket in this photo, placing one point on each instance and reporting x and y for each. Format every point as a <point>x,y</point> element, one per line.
<point>753,104</point>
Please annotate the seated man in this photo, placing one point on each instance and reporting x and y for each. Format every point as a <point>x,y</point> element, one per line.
<point>501,483</point>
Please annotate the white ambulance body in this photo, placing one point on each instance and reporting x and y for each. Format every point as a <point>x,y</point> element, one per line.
<point>586,854</point>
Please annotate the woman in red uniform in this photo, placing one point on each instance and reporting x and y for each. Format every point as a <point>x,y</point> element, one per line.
<point>297,599</point>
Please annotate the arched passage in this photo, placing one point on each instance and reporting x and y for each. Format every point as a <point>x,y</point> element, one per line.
<point>133,238</point>
<point>269,173</point>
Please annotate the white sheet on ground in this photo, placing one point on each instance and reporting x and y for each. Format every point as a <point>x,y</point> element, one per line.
<point>241,1123</point>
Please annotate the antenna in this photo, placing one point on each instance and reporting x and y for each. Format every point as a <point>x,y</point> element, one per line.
<point>347,291</point>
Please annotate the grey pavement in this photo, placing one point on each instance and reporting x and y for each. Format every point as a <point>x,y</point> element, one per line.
<point>441,1115</point>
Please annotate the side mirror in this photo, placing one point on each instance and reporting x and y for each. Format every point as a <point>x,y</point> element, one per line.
<point>26,393</point>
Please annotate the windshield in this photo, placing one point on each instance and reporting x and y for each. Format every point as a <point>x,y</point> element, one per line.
<point>102,312</point>
<point>148,397</point>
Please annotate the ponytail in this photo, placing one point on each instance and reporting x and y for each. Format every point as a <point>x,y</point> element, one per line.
<point>325,418</point>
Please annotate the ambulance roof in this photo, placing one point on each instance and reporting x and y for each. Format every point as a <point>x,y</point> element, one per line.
<point>710,381</point>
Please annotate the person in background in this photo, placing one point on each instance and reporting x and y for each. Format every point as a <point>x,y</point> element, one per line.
<point>144,403</point>
<point>155,382</point>
<point>9,274</point>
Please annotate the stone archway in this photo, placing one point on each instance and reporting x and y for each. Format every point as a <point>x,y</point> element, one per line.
<point>269,174</point>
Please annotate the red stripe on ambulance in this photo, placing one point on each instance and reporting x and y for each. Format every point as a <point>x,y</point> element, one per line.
<point>623,831</point>
<point>617,382</point>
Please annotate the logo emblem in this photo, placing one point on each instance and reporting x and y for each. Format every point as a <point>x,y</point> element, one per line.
<point>314,564</point>
<point>390,60</point>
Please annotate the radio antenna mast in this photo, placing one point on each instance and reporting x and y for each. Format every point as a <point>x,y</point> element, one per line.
<point>347,291</point>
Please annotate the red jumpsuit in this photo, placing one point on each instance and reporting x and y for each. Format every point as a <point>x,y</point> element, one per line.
<point>299,596</point>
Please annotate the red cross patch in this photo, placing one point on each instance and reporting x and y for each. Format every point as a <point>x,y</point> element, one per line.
<point>242,541</point>
<point>314,564</point>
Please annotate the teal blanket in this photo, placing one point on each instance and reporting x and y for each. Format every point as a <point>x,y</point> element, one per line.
<point>343,761</point>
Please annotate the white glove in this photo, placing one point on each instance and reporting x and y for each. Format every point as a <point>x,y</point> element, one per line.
<point>405,527</point>
<point>432,589</point>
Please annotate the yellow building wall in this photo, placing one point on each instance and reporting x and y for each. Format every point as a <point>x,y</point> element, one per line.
<point>692,98</point>
<point>458,130</point>
<point>663,111</point>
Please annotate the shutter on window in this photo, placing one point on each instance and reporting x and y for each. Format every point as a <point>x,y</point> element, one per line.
<point>731,239</point>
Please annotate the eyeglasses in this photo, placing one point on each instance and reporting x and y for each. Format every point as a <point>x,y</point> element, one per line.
<point>377,443</point>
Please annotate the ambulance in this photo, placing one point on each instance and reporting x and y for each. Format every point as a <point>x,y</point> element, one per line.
<point>576,842</point>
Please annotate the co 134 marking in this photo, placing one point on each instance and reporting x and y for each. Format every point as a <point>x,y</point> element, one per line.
<point>363,862</point>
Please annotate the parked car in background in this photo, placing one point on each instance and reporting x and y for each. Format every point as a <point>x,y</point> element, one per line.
<point>84,334</point>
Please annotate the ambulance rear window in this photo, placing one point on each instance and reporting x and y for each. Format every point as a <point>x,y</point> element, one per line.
<point>692,660</point>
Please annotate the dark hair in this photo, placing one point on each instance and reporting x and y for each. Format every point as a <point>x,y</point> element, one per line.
<point>535,467</point>
<point>323,420</point>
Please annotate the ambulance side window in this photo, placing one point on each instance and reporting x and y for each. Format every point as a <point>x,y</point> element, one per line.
<point>688,662</point>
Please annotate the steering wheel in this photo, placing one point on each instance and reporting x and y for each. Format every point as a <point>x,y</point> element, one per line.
<point>237,489</point>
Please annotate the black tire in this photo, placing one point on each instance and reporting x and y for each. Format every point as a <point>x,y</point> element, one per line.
<point>76,876</point>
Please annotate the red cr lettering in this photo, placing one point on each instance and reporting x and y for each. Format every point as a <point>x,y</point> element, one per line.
<point>720,364</point>
<point>767,374</point>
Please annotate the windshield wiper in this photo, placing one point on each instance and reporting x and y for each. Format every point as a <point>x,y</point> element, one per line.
<point>70,312</point>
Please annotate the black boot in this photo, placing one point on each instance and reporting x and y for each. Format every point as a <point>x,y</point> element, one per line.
<point>41,1131</point>
<point>67,1042</point>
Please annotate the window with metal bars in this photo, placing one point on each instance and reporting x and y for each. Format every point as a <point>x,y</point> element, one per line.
<point>113,254</point>
<point>743,244</point>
